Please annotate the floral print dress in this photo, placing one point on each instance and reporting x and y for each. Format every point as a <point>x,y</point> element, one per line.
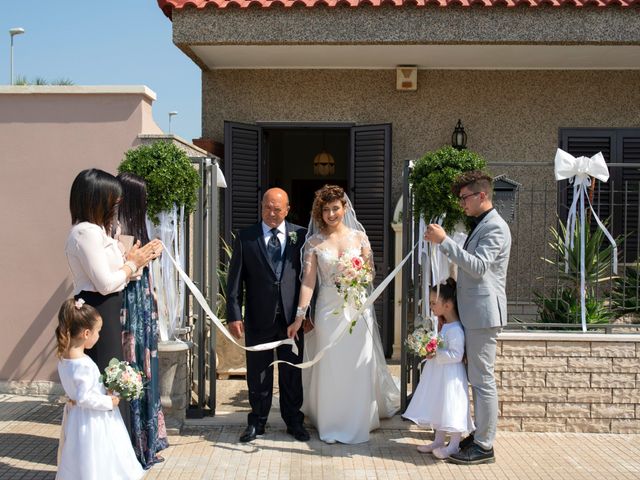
<point>139,318</point>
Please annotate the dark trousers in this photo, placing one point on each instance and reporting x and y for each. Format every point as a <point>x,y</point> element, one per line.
<point>109,345</point>
<point>260,377</point>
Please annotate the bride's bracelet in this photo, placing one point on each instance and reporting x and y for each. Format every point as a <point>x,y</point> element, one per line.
<point>301,311</point>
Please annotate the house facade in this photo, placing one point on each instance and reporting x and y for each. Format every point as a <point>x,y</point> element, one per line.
<point>285,80</point>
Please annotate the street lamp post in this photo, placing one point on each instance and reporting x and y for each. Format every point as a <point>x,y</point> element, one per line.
<point>171,114</point>
<point>13,32</point>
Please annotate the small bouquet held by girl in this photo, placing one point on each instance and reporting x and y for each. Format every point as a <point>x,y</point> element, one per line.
<point>424,343</point>
<point>353,279</point>
<point>122,379</point>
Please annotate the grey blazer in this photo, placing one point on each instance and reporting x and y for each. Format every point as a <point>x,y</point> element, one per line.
<point>482,273</point>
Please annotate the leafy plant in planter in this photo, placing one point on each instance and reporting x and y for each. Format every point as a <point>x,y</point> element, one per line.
<point>172,189</point>
<point>171,179</point>
<point>431,179</point>
<point>564,305</point>
<point>222,273</point>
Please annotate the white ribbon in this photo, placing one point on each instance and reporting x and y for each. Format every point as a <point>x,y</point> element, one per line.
<point>289,341</point>
<point>579,172</point>
<point>197,294</point>
<point>349,315</point>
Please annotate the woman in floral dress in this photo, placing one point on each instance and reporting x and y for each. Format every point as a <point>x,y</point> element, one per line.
<point>139,318</point>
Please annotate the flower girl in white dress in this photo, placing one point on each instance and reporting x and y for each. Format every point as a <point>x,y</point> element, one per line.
<point>441,399</point>
<point>94,443</point>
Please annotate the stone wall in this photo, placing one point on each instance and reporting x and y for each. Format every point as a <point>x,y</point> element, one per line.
<point>575,382</point>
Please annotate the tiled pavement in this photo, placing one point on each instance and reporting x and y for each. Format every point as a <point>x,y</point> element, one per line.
<point>29,428</point>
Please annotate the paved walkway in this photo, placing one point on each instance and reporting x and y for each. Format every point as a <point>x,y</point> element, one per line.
<point>29,428</point>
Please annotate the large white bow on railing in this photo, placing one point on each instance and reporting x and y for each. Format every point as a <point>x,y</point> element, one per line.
<point>579,172</point>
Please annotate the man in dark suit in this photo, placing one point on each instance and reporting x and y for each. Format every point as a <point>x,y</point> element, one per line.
<point>265,274</point>
<point>482,303</point>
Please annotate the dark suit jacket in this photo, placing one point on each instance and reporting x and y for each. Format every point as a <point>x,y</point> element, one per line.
<point>251,271</point>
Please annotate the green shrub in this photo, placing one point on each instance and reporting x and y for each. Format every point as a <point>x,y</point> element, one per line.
<point>170,176</point>
<point>431,180</point>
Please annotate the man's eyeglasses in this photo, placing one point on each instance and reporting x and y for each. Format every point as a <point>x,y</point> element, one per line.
<point>463,198</point>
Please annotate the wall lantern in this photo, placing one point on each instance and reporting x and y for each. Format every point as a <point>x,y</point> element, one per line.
<point>459,137</point>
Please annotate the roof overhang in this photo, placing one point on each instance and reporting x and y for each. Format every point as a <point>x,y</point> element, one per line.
<point>467,57</point>
<point>383,37</point>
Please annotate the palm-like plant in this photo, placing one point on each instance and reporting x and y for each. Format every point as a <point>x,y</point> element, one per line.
<point>625,294</point>
<point>597,259</point>
<point>221,271</point>
<point>564,305</point>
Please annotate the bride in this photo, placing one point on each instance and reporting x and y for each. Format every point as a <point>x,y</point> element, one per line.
<point>349,389</point>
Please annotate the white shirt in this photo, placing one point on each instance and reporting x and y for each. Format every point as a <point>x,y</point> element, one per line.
<point>95,260</point>
<point>266,232</point>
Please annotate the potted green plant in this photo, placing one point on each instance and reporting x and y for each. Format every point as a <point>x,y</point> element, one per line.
<point>431,179</point>
<point>563,305</point>
<point>172,189</point>
<point>172,192</point>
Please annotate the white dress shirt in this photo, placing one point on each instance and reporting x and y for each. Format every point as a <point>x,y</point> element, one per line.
<point>266,232</point>
<point>95,260</point>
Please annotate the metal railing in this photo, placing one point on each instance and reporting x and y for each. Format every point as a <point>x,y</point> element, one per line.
<point>536,269</point>
<point>541,204</point>
<point>202,254</point>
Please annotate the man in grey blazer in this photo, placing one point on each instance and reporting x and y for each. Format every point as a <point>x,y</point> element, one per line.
<point>482,304</point>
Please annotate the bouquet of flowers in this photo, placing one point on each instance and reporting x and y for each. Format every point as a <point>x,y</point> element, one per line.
<point>423,342</point>
<point>354,276</point>
<point>123,379</point>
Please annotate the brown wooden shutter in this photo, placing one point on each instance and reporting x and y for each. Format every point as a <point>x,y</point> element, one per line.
<point>242,149</point>
<point>370,190</point>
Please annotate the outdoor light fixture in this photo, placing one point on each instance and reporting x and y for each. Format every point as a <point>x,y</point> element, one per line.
<point>459,137</point>
<point>323,163</point>
<point>13,32</point>
<point>171,114</point>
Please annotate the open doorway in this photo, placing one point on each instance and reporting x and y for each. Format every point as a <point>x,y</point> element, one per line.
<point>259,156</point>
<point>289,164</point>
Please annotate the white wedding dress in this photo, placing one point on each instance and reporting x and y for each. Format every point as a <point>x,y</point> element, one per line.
<point>96,443</point>
<point>350,388</point>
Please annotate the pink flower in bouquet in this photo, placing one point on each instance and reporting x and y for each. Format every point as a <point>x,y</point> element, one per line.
<point>423,342</point>
<point>432,345</point>
<point>357,263</point>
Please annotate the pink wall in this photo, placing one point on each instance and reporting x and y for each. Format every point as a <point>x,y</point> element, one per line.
<point>47,135</point>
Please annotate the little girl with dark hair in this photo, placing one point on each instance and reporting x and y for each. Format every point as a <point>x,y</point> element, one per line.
<point>441,399</point>
<point>94,443</point>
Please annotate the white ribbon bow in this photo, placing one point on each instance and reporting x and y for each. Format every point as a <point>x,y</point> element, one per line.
<point>579,172</point>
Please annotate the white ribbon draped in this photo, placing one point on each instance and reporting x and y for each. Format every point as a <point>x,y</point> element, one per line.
<point>197,294</point>
<point>349,315</point>
<point>579,172</point>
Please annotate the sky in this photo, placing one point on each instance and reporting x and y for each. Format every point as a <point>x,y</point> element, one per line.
<point>104,42</point>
